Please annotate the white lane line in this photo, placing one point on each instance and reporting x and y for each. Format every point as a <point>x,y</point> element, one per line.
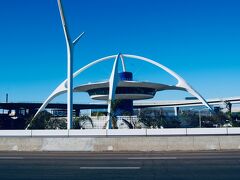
<point>153,158</point>
<point>112,168</point>
<point>11,157</point>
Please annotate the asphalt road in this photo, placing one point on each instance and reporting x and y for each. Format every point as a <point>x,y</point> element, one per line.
<point>134,165</point>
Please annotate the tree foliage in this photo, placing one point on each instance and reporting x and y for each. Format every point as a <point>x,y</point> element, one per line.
<point>56,123</point>
<point>40,121</point>
<point>113,117</point>
<point>81,122</point>
<point>188,119</point>
<point>45,121</point>
<point>152,118</point>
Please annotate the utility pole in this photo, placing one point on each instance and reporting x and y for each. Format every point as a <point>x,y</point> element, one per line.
<point>6,97</point>
<point>200,119</point>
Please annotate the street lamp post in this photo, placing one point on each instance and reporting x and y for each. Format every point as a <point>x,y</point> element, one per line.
<point>70,46</point>
<point>200,119</point>
<point>200,115</point>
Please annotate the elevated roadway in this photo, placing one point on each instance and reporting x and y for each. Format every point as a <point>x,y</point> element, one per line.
<point>137,104</point>
<point>186,103</point>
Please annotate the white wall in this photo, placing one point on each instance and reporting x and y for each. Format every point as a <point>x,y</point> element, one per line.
<point>122,132</point>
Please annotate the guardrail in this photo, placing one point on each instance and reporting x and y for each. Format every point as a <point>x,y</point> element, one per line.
<point>120,132</point>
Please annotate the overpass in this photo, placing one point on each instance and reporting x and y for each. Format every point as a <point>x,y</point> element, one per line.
<point>31,108</point>
<point>186,103</point>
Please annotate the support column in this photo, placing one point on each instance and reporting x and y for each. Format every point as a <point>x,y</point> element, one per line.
<point>229,106</point>
<point>113,83</point>
<point>176,111</point>
<point>70,90</point>
<point>77,112</point>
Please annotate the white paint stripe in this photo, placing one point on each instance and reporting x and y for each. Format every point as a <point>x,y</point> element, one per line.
<point>11,157</point>
<point>113,168</point>
<point>153,158</point>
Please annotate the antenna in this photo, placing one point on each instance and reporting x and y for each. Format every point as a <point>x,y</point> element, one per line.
<point>70,46</point>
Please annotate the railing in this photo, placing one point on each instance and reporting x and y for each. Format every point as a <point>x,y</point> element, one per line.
<point>120,132</point>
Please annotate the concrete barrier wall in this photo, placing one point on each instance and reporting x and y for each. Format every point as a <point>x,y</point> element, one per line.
<point>207,131</point>
<point>121,132</point>
<point>167,132</point>
<point>127,132</point>
<point>232,131</point>
<point>49,133</point>
<point>121,140</point>
<point>87,132</point>
<point>124,143</point>
<point>15,133</point>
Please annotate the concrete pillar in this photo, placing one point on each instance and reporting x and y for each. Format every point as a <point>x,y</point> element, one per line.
<point>77,112</point>
<point>176,111</point>
<point>230,107</point>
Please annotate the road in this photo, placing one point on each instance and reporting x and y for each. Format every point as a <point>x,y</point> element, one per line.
<point>124,165</point>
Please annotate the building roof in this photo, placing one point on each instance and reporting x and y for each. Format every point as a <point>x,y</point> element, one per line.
<point>156,86</point>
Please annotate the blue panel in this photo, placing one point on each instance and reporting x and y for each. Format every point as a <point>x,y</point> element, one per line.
<point>126,76</point>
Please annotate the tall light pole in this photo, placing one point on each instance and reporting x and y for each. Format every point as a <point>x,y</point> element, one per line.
<point>70,44</point>
<point>200,120</point>
<point>200,116</point>
<point>6,97</point>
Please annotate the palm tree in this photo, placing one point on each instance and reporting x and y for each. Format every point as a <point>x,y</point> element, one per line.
<point>81,122</point>
<point>113,117</point>
<point>130,126</point>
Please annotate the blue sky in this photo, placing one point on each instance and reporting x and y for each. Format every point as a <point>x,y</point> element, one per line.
<point>200,40</point>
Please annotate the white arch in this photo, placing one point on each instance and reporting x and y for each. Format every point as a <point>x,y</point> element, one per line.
<point>62,88</point>
<point>181,82</point>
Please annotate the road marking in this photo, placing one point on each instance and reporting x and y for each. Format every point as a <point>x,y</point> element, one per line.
<point>153,158</point>
<point>112,168</point>
<point>11,157</point>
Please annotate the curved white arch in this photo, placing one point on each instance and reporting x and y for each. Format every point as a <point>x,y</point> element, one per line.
<point>181,82</point>
<point>62,88</point>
